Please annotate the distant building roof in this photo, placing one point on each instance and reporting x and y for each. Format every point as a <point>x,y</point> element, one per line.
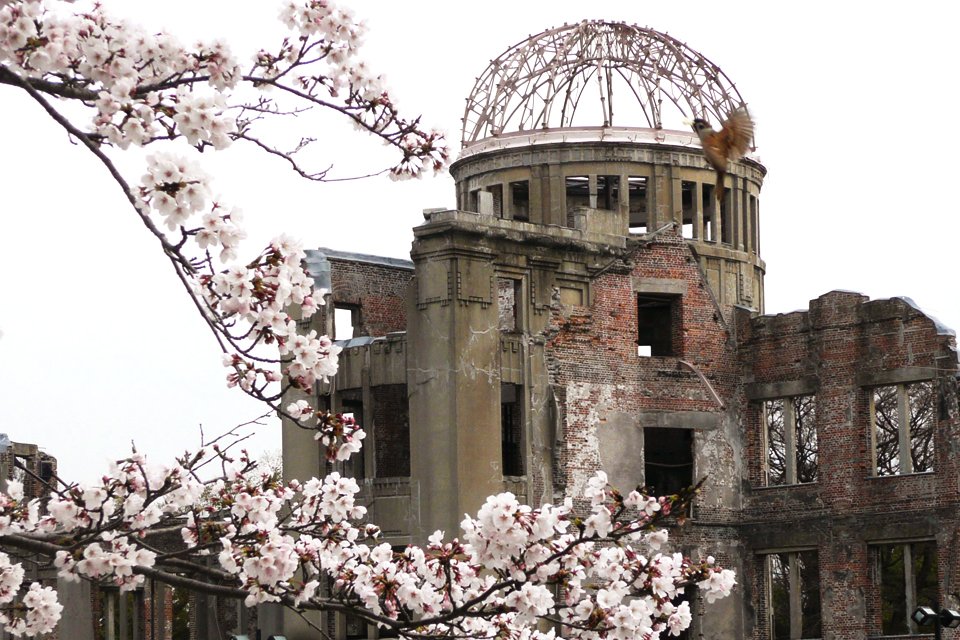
<point>318,265</point>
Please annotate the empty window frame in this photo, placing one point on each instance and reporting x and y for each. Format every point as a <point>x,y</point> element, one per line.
<point>509,299</point>
<point>511,429</point>
<point>667,460</point>
<point>906,574</point>
<point>496,191</point>
<point>354,627</point>
<point>790,430</point>
<point>608,192</point>
<point>687,209</point>
<point>346,321</point>
<point>578,192</point>
<point>793,594</point>
<point>658,325</point>
<point>520,200</point>
<point>637,198</point>
<point>391,431</point>
<point>123,615</point>
<point>709,204</point>
<point>902,421</point>
<point>726,219</point>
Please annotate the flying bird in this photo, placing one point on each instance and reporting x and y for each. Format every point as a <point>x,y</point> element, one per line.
<point>727,145</point>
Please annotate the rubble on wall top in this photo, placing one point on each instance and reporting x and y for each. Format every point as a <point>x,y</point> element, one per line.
<point>942,329</point>
<point>323,252</point>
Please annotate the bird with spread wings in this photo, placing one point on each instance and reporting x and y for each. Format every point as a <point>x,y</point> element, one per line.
<point>727,145</point>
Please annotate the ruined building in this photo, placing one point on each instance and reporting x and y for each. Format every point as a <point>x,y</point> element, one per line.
<point>590,305</point>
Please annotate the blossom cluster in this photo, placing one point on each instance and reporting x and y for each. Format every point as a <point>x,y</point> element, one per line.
<point>145,87</point>
<point>600,574</point>
<point>141,88</point>
<point>122,71</point>
<point>514,565</point>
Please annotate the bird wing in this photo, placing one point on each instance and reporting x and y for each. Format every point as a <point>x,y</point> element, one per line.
<point>734,139</point>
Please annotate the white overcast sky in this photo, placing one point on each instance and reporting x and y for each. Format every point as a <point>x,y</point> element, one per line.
<point>856,109</point>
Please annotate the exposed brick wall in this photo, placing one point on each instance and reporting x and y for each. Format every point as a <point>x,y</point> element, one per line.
<point>593,354</point>
<point>842,340</point>
<point>378,290</point>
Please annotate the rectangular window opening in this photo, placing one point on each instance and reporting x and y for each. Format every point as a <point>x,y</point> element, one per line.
<point>346,322</point>
<point>577,191</point>
<point>907,573</point>
<point>511,429</point>
<point>793,587</point>
<point>709,204</point>
<point>658,325</point>
<point>726,219</point>
<point>390,431</point>
<point>903,421</point>
<point>792,452</point>
<point>637,198</point>
<point>688,211</point>
<point>355,627</point>
<point>351,406</point>
<point>608,192</point>
<point>667,460</point>
<point>520,196</point>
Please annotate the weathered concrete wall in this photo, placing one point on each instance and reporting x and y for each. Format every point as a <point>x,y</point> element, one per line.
<point>453,382</point>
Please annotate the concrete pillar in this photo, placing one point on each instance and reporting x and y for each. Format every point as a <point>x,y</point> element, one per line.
<point>796,600</point>
<point>903,415</point>
<point>716,208</point>
<point>736,215</point>
<point>747,218</point>
<point>698,231</point>
<point>370,442</point>
<point>592,186</point>
<point>676,199</point>
<point>658,198</point>
<point>453,379</point>
<point>557,213</point>
<point>110,604</point>
<point>539,194</point>
<point>76,621</point>
<point>623,203</point>
<point>790,440</point>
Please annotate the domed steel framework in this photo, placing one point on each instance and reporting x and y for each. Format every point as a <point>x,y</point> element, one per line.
<point>539,83</point>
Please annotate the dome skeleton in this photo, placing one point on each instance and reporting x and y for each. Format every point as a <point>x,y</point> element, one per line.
<point>539,83</point>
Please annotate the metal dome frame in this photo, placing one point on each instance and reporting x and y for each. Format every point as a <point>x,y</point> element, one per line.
<point>539,82</point>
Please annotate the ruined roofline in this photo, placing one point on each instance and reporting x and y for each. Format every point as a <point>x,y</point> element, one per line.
<point>942,329</point>
<point>322,253</point>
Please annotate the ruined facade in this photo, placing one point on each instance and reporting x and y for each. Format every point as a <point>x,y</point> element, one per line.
<point>590,305</point>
